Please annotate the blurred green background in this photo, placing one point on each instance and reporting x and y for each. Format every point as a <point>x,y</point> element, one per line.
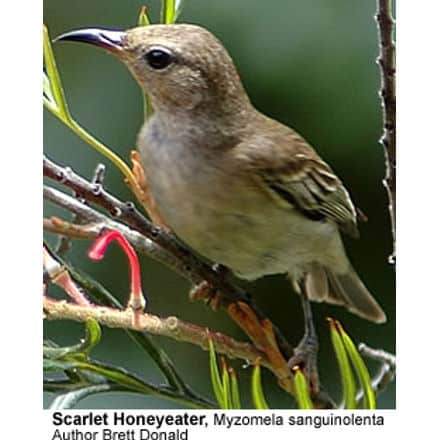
<point>309,64</point>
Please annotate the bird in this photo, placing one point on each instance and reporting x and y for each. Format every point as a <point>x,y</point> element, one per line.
<point>239,188</point>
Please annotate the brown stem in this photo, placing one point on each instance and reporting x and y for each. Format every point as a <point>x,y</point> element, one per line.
<point>170,327</point>
<point>386,61</point>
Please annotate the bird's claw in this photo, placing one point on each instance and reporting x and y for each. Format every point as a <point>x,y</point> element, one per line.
<point>305,357</point>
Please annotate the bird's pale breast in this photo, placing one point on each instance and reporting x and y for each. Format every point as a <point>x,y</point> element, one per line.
<point>225,219</point>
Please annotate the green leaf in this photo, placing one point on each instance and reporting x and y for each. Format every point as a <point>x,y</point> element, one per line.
<point>168,12</point>
<point>61,111</point>
<point>215,377</point>
<point>93,336</point>
<point>257,390</point>
<point>360,368</point>
<point>143,19</point>
<point>179,7</point>
<point>235,393</point>
<point>53,365</point>
<point>346,373</point>
<point>117,375</point>
<point>78,351</point>
<point>60,385</point>
<point>54,77</point>
<point>301,390</point>
<point>226,385</point>
<point>53,352</point>
<point>70,399</point>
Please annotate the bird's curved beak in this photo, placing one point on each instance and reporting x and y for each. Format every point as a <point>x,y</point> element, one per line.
<point>108,39</point>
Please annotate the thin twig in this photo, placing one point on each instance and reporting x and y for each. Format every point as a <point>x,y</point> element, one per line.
<point>99,174</point>
<point>65,241</point>
<point>386,61</point>
<point>386,372</point>
<point>377,354</point>
<point>70,399</point>
<point>171,327</point>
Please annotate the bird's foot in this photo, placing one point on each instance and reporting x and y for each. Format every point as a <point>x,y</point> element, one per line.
<point>305,357</point>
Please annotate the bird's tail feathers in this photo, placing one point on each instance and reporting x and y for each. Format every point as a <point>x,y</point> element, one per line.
<point>322,284</point>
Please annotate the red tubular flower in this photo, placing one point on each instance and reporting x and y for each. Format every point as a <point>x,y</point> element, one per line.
<point>137,300</point>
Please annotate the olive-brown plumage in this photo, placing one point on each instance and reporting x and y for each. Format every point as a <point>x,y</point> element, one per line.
<point>238,187</point>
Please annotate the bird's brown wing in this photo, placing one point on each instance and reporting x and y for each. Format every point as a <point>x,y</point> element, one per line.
<point>317,193</point>
<point>298,177</point>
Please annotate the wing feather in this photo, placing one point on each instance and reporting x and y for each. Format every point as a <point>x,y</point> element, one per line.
<point>298,177</point>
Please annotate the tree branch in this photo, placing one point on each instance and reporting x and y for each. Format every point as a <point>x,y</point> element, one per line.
<point>65,242</point>
<point>171,327</point>
<point>386,372</point>
<point>386,61</point>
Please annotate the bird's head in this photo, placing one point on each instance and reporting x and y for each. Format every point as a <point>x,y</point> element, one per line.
<point>180,66</point>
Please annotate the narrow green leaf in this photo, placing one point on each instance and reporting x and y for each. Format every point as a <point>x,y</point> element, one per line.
<point>58,353</point>
<point>52,365</point>
<point>346,373</point>
<point>168,12</point>
<point>143,19</point>
<point>179,7</point>
<point>235,392</point>
<point>48,343</point>
<point>102,149</point>
<point>215,377</point>
<point>360,368</point>
<point>226,385</point>
<point>301,390</point>
<point>70,399</point>
<point>118,375</point>
<point>93,335</point>
<point>59,385</point>
<point>54,77</point>
<point>53,352</point>
<point>78,351</point>
<point>257,390</point>
<point>61,111</point>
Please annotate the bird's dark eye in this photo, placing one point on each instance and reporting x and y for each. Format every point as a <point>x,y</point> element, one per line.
<point>158,58</point>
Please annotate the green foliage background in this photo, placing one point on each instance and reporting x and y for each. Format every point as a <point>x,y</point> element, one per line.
<point>309,64</point>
